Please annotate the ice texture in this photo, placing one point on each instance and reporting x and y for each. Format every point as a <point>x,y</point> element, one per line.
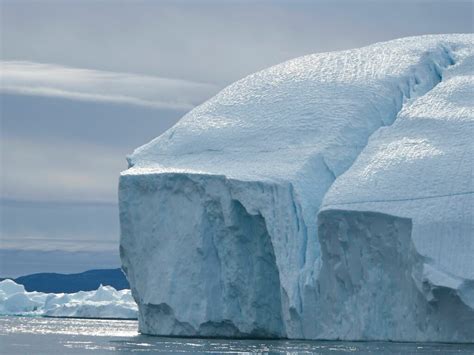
<point>220,231</point>
<point>105,302</point>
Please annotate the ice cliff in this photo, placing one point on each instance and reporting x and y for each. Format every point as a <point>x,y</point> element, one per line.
<point>327,197</point>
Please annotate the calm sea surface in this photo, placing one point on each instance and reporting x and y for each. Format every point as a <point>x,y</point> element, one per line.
<point>27,335</point>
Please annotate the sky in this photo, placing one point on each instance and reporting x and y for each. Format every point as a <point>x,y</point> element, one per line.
<point>84,83</point>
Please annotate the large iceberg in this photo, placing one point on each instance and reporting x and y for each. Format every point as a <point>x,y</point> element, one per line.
<point>291,205</point>
<point>105,302</point>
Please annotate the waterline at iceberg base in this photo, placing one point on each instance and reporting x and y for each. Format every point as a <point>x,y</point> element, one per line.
<point>327,197</point>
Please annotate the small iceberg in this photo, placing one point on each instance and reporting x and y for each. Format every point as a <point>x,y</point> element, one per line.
<point>105,302</point>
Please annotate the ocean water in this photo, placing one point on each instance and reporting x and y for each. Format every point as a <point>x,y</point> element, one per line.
<point>31,335</point>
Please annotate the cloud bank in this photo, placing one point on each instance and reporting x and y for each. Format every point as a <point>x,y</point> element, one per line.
<point>29,78</point>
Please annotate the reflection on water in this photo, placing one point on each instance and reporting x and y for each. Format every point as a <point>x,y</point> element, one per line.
<point>75,336</point>
<point>68,326</point>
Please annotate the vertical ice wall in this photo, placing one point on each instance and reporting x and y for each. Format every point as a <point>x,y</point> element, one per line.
<point>218,215</point>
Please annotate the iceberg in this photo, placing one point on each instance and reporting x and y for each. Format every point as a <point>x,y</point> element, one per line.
<point>243,220</point>
<point>105,302</point>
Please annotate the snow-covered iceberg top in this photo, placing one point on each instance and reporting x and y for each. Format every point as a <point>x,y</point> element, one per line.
<point>105,302</point>
<point>222,230</point>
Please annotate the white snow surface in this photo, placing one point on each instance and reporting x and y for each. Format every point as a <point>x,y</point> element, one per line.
<point>220,232</point>
<point>105,302</point>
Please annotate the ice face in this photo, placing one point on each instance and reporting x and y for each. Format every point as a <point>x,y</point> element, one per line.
<point>105,302</point>
<point>219,215</point>
<point>375,285</point>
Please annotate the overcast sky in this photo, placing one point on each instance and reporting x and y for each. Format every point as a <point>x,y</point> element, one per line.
<point>83,83</point>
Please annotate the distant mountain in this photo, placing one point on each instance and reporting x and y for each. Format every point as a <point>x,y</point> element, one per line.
<point>68,283</point>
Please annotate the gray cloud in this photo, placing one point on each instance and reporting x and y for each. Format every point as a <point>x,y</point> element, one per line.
<point>58,149</point>
<point>20,77</point>
<point>59,170</point>
<point>72,226</point>
<point>40,236</point>
<point>210,41</point>
<point>19,262</point>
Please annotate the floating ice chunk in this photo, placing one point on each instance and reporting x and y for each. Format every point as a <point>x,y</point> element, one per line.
<point>105,302</point>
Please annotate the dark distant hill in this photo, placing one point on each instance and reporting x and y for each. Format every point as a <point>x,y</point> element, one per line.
<point>68,283</point>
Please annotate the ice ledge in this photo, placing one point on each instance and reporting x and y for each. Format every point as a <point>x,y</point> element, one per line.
<point>431,280</point>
